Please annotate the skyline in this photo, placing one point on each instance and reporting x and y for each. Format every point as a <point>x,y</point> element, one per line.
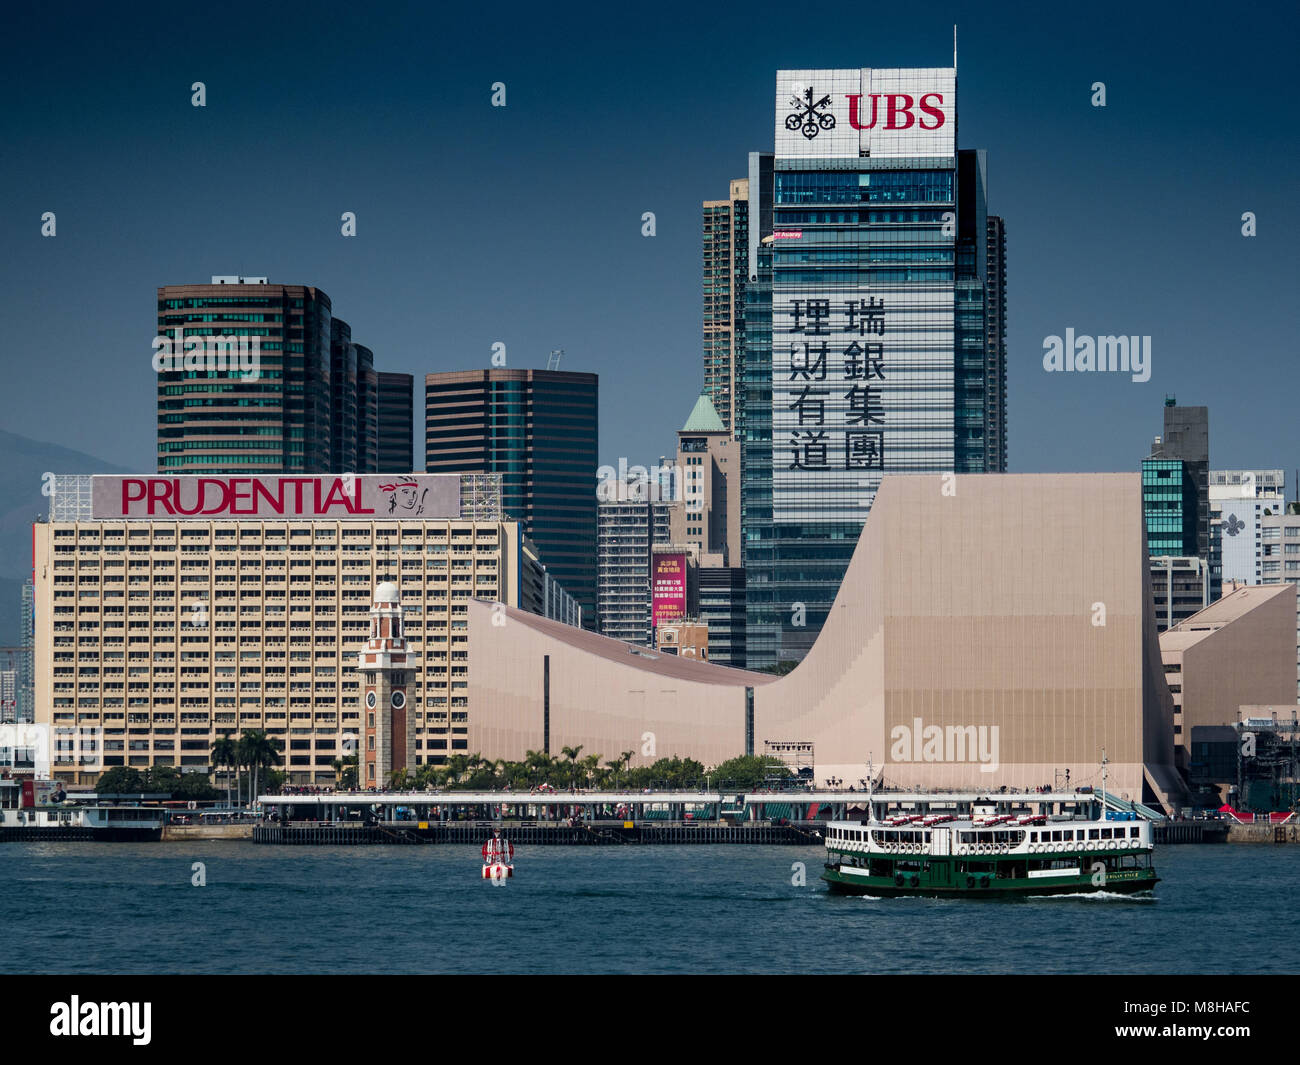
<point>446,260</point>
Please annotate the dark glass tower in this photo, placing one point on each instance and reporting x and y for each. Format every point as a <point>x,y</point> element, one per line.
<point>538,430</point>
<point>223,421</point>
<point>396,423</point>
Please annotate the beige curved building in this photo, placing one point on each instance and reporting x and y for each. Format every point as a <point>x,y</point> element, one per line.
<point>991,630</point>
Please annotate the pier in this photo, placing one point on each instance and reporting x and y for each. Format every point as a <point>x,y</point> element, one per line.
<point>599,834</point>
<point>613,818</point>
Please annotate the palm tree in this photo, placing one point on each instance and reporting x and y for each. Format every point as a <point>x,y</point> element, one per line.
<point>225,752</point>
<point>457,764</point>
<point>399,780</point>
<point>259,751</point>
<point>571,753</point>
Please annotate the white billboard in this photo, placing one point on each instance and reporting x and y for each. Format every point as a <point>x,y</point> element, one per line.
<point>875,113</point>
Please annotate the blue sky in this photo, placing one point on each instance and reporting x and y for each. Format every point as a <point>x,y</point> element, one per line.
<point>523,224</point>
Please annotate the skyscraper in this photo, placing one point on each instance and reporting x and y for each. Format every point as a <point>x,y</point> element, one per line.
<point>628,530</point>
<point>396,423</point>
<point>874,328</point>
<point>1176,509</point>
<point>538,430</point>
<point>1186,438</point>
<point>726,247</point>
<point>269,418</point>
<point>262,378</point>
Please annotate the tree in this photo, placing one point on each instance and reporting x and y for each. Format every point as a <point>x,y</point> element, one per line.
<point>348,779</point>
<point>779,668</point>
<point>571,770</point>
<point>399,780</point>
<point>224,754</point>
<point>258,751</point>
<point>748,771</point>
<point>120,780</point>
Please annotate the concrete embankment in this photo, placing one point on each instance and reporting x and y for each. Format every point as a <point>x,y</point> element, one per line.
<point>174,833</point>
<point>1264,833</point>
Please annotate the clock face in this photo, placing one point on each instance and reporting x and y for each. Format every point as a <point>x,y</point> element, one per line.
<point>399,700</point>
<point>371,700</point>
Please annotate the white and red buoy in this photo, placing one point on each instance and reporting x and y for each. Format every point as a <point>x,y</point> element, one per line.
<point>498,858</point>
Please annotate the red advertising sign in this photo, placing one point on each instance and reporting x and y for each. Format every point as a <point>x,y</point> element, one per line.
<point>668,589</point>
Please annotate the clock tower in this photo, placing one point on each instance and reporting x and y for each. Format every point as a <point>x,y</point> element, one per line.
<point>387,670</point>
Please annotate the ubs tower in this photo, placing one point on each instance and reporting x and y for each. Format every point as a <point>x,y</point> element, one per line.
<point>874,323</point>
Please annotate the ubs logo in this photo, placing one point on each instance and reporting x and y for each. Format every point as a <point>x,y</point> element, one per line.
<point>897,111</point>
<point>810,116</point>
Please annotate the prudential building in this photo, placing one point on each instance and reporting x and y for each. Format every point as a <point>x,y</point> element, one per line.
<point>875,327</point>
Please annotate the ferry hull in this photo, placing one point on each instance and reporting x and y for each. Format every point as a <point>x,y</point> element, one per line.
<point>988,887</point>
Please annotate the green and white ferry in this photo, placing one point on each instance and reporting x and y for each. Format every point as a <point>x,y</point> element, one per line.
<point>979,845</point>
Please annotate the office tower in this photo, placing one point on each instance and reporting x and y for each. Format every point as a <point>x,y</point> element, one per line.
<point>722,609</point>
<point>1176,510</point>
<point>627,531</point>
<point>354,404</point>
<point>8,696</point>
<point>1279,545</point>
<point>995,351</point>
<point>396,423</point>
<point>26,676</point>
<point>538,430</point>
<point>345,397</point>
<point>367,438</point>
<point>259,399</point>
<point>1180,587</point>
<point>1186,438</point>
<point>726,248</point>
<point>874,328</point>
<point>1169,506</point>
<point>1238,501</point>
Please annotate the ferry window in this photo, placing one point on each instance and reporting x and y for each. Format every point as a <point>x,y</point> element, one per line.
<point>1135,831</point>
<point>1056,837</point>
<point>1105,833</point>
<point>1033,837</point>
<point>1092,833</point>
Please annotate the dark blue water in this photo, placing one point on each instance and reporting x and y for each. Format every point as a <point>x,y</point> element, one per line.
<point>125,908</point>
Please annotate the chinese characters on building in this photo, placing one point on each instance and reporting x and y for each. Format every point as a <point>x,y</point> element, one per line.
<point>839,407</point>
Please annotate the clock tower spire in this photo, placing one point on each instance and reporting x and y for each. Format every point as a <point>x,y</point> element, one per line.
<point>387,668</point>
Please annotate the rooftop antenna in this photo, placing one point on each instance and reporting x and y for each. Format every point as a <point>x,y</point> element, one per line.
<point>553,360</point>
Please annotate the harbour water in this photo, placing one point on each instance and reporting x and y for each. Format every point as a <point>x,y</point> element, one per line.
<point>133,908</point>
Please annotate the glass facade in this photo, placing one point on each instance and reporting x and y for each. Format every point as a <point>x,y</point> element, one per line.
<point>537,430</point>
<point>1169,496</point>
<point>873,345</point>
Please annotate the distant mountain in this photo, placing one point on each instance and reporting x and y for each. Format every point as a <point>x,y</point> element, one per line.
<point>23,463</point>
